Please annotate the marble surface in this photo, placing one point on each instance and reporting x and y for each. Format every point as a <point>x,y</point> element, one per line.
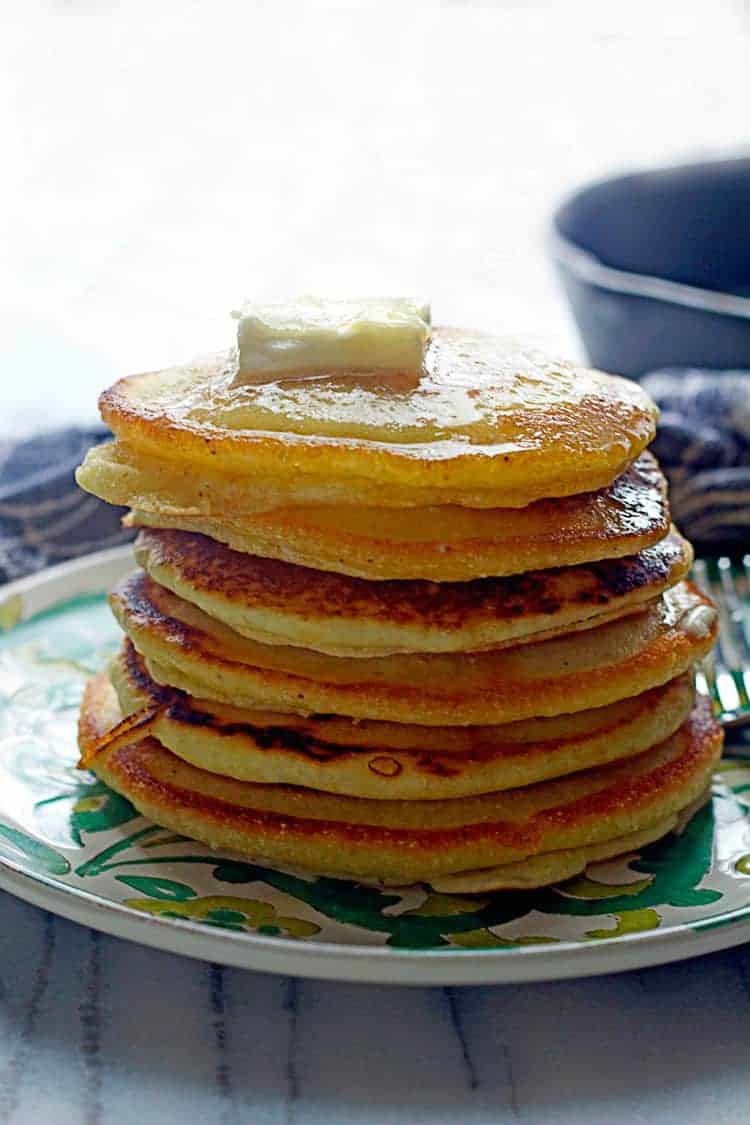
<point>101,1031</point>
<point>161,161</point>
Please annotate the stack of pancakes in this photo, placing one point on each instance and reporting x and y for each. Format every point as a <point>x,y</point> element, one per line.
<point>401,629</point>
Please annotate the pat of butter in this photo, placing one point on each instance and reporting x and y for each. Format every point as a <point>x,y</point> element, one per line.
<point>308,336</point>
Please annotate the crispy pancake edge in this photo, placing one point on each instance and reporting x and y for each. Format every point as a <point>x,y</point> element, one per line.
<point>280,754</point>
<point>279,603</point>
<point>189,660</point>
<point>671,778</point>
<point>629,515</point>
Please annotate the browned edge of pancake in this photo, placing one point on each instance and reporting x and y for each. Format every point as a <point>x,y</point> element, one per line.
<point>621,519</point>
<point>534,462</point>
<point>165,709</point>
<point>136,604</point>
<point>402,615</point>
<point>141,771</point>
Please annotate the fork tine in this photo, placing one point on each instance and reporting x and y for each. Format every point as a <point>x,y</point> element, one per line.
<point>738,629</point>
<point>744,573</point>
<point>723,669</point>
<point>699,575</point>
<point>701,683</point>
<point>729,679</point>
<point>705,676</point>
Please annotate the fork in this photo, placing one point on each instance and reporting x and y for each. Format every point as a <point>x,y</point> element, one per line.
<point>725,674</point>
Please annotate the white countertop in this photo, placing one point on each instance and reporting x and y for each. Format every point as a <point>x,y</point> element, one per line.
<point>162,161</point>
<point>101,1031</point>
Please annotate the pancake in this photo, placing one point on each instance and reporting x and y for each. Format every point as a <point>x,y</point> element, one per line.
<point>490,423</point>
<point>279,603</point>
<point>185,648</point>
<point>401,842</point>
<point>444,544</point>
<point>554,867</point>
<point>386,760</point>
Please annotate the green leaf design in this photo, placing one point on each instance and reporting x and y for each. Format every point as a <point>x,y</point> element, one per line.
<point>224,911</point>
<point>675,865</point>
<point>95,808</point>
<point>41,854</point>
<point>101,861</point>
<point>11,612</point>
<point>632,922</point>
<point>678,865</point>
<point>167,890</point>
<point>355,904</point>
<point>584,887</point>
<point>445,906</point>
<point>99,810</point>
<point>232,917</point>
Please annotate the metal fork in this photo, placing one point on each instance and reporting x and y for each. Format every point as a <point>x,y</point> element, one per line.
<point>725,674</point>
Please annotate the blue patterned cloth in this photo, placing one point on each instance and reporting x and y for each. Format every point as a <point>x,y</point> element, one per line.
<point>703,444</point>
<point>44,516</point>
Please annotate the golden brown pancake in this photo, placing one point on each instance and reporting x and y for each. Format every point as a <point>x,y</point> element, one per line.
<point>443,544</point>
<point>554,867</point>
<point>401,842</point>
<point>185,648</point>
<point>386,760</point>
<point>490,423</point>
<point>282,604</point>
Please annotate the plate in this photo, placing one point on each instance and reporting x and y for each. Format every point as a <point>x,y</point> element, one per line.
<point>72,846</point>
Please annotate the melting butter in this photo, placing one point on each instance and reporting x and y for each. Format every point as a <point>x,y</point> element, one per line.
<point>310,336</point>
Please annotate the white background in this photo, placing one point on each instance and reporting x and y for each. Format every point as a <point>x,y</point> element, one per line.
<point>162,160</point>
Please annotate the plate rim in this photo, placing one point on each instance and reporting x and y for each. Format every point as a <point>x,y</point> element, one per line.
<point>375,964</point>
<point>325,960</point>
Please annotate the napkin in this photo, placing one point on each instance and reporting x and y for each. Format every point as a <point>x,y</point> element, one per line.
<point>44,516</point>
<point>703,444</point>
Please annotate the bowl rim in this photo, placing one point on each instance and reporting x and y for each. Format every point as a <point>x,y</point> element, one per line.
<point>587,266</point>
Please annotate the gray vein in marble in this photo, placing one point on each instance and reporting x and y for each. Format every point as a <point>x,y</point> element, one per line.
<point>90,1017</point>
<point>510,1080</point>
<point>10,1082</point>
<point>489,1020</point>
<point>223,1070</point>
<point>291,1007</point>
<point>472,1078</point>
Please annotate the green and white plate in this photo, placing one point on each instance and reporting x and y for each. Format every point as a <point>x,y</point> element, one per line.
<point>69,844</point>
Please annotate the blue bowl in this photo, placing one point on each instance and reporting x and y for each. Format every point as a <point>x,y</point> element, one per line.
<point>656,266</point>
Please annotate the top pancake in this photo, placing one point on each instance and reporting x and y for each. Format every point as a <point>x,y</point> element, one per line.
<point>489,423</point>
